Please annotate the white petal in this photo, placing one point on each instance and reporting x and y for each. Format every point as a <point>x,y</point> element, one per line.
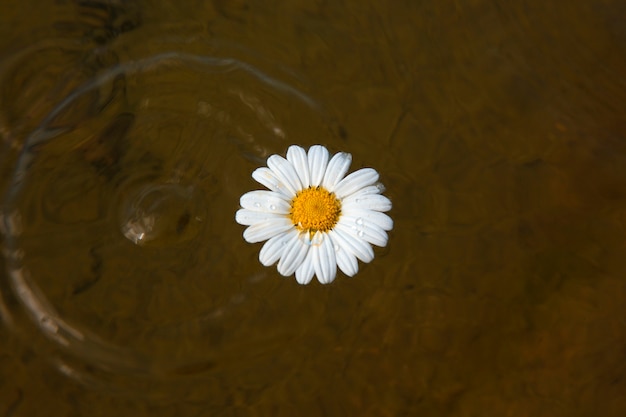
<point>355,181</point>
<point>346,261</point>
<point>305,272</point>
<point>351,242</point>
<point>337,168</point>
<point>297,156</point>
<point>259,232</point>
<point>369,216</point>
<point>378,188</point>
<point>295,252</point>
<point>249,217</point>
<point>375,202</point>
<point>318,159</point>
<point>367,231</point>
<point>324,258</point>
<point>265,201</point>
<point>273,249</point>
<point>268,178</point>
<point>285,172</point>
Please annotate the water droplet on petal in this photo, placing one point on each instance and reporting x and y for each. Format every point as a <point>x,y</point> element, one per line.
<point>360,233</point>
<point>272,207</point>
<point>257,205</point>
<point>337,248</point>
<point>357,200</point>
<point>359,221</point>
<point>317,239</point>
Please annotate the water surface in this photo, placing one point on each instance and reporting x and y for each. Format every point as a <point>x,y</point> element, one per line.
<point>130,129</point>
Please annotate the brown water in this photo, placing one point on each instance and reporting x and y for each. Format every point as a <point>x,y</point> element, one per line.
<point>499,132</point>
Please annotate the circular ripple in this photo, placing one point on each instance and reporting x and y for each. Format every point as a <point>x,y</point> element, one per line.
<point>122,254</point>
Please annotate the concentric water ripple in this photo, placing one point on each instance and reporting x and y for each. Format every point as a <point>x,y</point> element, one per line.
<point>121,248</point>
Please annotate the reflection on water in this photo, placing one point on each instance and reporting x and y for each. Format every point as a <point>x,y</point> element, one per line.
<point>130,129</point>
<point>152,165</point>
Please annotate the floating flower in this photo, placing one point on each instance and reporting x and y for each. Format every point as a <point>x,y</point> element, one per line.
<point>312,217</point>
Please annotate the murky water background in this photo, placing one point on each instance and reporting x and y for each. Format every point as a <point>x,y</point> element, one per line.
<point>130,129</point>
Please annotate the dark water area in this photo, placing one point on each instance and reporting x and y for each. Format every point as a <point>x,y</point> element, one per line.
<point>129,130</point>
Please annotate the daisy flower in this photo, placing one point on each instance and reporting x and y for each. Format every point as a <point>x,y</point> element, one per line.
<point>313,217</point>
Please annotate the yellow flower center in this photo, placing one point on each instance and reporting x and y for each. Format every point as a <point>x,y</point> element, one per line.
<point>315,209</point>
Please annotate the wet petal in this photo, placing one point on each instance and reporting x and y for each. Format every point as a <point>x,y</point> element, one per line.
<point>354,244</point>
<point>297,157</point>
<point>273,249</point>
<point>375,202</point>
<point>266,201</point>
<point>285,172</point>
<point>268,178</point>
<point>295,251</point>
<point>355,181</point>
<point>250,217</point>
<point>324,258</point>
<point>358,215</point>
<point>367,231</point>
<point>305,272</point>
<point>378,188</point>
<point>346,261</point>
<point>318,159</point>
<point>259,232</point>
<point>337,168</point>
